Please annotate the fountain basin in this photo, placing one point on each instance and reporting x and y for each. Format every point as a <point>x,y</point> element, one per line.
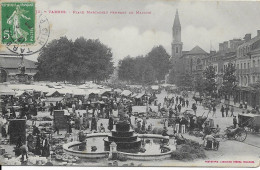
<point>98,138</point>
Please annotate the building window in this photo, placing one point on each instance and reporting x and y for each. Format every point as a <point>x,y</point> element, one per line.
<point>241,66</point>
<point>248,65</point>
<point>244,65</point>
<point>237,66</point>
<point>177,50</point>
<point>253,63</point>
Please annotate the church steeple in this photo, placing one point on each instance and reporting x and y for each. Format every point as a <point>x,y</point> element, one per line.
<point>176,23</point>
<point>176,29</point>
<point>176,42</point>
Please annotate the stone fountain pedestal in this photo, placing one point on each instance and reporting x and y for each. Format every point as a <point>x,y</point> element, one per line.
<point>124,138</point>
<point>22,78</point>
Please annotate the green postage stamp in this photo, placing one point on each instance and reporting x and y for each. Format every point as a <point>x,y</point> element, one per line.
<point>18,22</point>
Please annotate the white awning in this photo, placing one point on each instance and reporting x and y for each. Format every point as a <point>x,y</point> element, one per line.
<point>126,93</point>
<point>5,90</point>
<point>155,87</point>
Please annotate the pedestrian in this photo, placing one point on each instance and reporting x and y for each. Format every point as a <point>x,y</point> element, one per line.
<point>81,122</point>
<point>235,122</point>
<point>207,130</point>
<point>51,109</point>
<point>110,123</point>
<point>183,103</point>
<point>187,103</point>
<point>45,147</point>
<point>179,107</point>
<point>192,123</point>
<point>232,111</point>
<point>56,128</point>
<point>3,131</point>
<point>226,109</point>
<point>245,105</point>
<point>23,153</point>
<point>166,123</point>
<point>177,125</point>
<point>69,130</point>
<point>101,128</point>
<point>159,107</point>
<point>30,140</point>
<point>73,107</point>
<point>183,125</point>
<point>194,108</point>
<point>170,113</point>
<point>38,147</point>
<point>93,123</point>
<point>214,111</point>
<point>222,110</point>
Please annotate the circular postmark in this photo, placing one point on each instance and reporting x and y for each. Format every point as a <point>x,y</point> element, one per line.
<point>43,32</point>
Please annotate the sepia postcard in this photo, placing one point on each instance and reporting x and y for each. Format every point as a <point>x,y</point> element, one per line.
<point>130,83</point>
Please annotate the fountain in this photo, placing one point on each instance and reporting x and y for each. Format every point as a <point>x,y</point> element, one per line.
<point>124,137</point>
<point>123,141</point>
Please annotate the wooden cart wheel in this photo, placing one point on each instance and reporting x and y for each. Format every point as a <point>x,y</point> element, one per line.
<point>241,135</point>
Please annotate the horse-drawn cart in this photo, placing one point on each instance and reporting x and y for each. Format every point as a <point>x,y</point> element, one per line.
<point>250,121</point>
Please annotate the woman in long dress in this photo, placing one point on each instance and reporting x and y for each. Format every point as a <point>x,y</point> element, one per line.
<point>45,147</point>
<point>93,123</point>
<point>30,143</point>
<point>38,146</point>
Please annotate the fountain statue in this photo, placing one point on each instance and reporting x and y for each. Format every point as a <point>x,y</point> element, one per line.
<point>22,77</point>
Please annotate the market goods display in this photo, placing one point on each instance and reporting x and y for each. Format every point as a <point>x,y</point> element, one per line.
<point>190,150</point>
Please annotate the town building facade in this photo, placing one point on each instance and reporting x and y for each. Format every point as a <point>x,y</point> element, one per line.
<point>9,67</point>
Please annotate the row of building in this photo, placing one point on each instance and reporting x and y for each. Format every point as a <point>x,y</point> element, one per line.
<point>243,53</point>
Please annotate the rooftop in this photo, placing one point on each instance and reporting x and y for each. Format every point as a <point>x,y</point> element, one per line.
<point>13,62</point>
<point>196,50</point>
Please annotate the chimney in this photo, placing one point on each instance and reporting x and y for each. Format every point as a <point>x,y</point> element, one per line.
<point>258,32</point>
<point>247,37</point>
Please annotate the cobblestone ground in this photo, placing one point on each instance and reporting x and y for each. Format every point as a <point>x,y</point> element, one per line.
<point>249,150</point>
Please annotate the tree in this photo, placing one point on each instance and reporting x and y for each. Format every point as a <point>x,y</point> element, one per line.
<point>54,59</point>
<point>184,80</point>
<point>199,84</point>
<point>172,76</point>
<point>136,70</point>
<point>159,60</point>
<point>65,60</point>
<point>126,69</point>
<point>229,80</point>
<point>145,70</point>
<point>210,82</point>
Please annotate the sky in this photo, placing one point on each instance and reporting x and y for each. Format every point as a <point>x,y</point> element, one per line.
<point>204,23</point>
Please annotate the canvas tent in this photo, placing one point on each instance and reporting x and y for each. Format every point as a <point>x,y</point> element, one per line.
<point>5,90</point>
<point>126,93</point>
